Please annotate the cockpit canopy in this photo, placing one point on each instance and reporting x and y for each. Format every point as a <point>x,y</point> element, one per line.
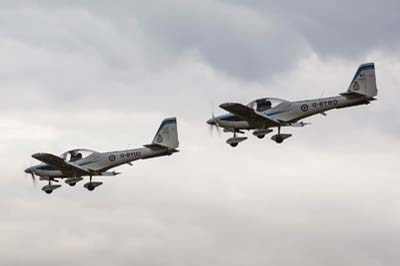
<point>77,154</point>
<point>264,104</point>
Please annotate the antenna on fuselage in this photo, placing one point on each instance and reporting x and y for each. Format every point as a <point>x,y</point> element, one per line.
<point>322,94</point>
<point>320,97</point>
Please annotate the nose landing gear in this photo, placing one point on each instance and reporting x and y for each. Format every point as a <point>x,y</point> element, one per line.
<point>234,141</point>
<point>49,188</point>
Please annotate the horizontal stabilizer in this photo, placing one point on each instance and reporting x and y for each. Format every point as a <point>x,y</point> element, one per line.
<point>299,124</point>
<point>110,173</point>
<point>350,94</point>
<point>357,103</point>
<point>155,147</point>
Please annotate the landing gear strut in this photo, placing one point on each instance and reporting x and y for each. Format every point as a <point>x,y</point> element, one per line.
<point>279,138</point>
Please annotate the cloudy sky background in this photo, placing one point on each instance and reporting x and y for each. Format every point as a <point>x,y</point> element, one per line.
<point>103,74</point>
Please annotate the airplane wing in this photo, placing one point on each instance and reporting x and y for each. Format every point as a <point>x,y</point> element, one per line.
<point>60,163</point>
<point>249,114</point>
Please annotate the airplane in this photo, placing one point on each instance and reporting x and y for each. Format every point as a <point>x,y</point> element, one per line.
<point>75,164</point>
<point>262,115</point>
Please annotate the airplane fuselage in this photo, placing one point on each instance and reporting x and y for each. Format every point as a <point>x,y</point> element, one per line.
<point>98,163</point>
<point>288,113</point>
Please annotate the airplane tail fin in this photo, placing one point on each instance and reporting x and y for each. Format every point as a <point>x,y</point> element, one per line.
<point>364,81</point>
<point>167,134</point>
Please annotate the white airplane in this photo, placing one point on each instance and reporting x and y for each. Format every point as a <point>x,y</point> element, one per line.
<point>75,164</point>
<point>263,114</point>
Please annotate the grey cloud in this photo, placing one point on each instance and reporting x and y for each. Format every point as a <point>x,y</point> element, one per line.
<point>248,40</point>
<point>233,39</point>
<point>102,74</point>
<point>338,28</point>
<point>254,39</point>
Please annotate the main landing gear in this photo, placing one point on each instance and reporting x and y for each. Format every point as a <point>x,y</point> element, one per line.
<point>73,180</point>
<point>92,185</point>
<point>234,141</point>
<point>260,133</point>
<point>279,138</point>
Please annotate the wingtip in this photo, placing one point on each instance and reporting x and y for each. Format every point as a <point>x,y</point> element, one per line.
<point>225,105</point>
<point>36,155</point>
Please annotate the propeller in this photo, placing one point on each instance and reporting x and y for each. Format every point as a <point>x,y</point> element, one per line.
<point>30,171</point>
<point>213,122</point>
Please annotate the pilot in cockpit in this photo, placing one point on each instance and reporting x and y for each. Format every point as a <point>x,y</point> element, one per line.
<point>263,104</point>
<point>75,156</point>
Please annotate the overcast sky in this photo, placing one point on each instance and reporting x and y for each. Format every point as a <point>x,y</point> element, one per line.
<point>103,74</point>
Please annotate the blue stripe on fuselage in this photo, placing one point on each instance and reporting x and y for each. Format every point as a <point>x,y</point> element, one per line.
<point>232,118</point>
<point>82,164</point>
<point>46,167</point>
<point>275,113</point>
<point>52,168</point>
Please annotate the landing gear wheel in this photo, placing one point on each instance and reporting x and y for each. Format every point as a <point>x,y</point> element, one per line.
<point>90,186</point>
<point>234,144</point>
<point>49,191</point>
<point>72,184</point>
<point>260,136</point>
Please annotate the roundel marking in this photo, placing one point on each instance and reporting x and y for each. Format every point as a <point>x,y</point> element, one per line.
<point>356,86</point>
<point>112,158</point>
<point>159,139</point>
<point>304,107</point>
